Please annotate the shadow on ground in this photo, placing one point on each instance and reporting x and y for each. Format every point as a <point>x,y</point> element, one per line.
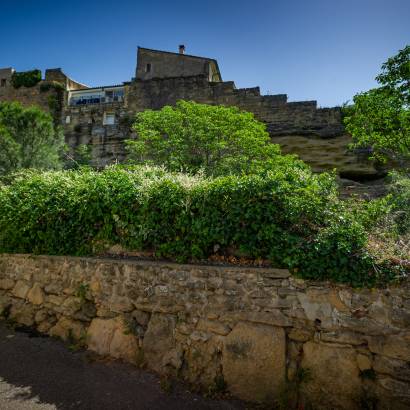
<point>42,374</point>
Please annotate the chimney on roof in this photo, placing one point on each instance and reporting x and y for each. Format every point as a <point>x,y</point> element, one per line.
<point>181,49</point>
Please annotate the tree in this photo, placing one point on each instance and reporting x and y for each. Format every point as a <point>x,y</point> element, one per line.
<point>380,118</point>
<point>191,137</point>
<point>28,138</point>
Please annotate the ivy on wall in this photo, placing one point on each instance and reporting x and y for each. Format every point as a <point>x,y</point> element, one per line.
<point>26,78</point>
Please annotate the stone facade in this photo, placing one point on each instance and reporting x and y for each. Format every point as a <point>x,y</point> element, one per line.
<point>316,134</point>
<point>161,64</point>
<point>260,333</point>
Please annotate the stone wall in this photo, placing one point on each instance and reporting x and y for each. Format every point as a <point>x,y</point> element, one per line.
<point>315,134</point>
<point>281,117</point>
<point>162,64</point>
<point>29,96</point>
<point>263,334</point>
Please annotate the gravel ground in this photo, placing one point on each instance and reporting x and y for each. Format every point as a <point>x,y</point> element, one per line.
<point>38,373</point>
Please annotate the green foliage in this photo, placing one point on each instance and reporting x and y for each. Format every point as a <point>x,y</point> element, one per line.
<point>193,137</point>
<point>28,139</point>
<point>380,118</point>
<point>82,291</point>
<point>26,78</point>
<point>80,157</point>
<point>400,194</point>
<point>289,216</point>
<point>49,85</point>
<point>395,74</point>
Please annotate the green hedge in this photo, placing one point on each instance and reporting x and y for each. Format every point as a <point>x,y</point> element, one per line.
<point>26,78</point>
<point>290,216</point>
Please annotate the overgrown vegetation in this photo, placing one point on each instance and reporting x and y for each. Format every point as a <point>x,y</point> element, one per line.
<point>379,119</point>
<point>26,78</point>
<point>193,138</point>
<point>28,139</point>
<point>210,184</point>
<point>289,216</point>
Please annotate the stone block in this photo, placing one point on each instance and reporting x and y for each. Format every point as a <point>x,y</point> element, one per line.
<point>23,314</point>
<point>213,326</point>
<point>6,284</point>
<point>393,346</point>
<point>110,337</point>
<point>398,369</point>
<point>159,339</point>
<point>20,289</point>
<point>36,295</point>
<point>254,361</point>
<point>334,375</point>
<point>67,329</point>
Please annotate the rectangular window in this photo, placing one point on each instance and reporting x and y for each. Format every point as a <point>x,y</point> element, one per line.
<point>3,82</point>
<point>109,118</point>
<point>148,68</point>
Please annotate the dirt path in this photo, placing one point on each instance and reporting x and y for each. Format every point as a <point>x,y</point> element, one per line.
<point>42,374</point>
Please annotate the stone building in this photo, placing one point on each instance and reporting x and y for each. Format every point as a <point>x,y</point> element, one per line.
<point>102,116</point>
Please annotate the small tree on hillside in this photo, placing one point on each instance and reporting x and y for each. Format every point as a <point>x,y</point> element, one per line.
<point>191,137</point>
<point>28,139</point>
<point>380,118</point>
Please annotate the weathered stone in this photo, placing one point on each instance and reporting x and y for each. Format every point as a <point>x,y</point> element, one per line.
<point>396,347</point>
<point>36,295</point>
<point>351,330</point>
<point>173,359</point>
<point>343,336</point>
<point>41,315</point>
<point>364,362</point>
<point>159,339</point>
<point>111,337</point>
<point>316,307</point>
<point>213,326</point>
<point>200,336</point>
<point>332,369</point>
<point>274,318</point>
<point>21,289</point>
<point>44,327</point>
<point>6,284</point>
<point>121,304</point>
<point>300,335</point>
<point>254,361</point>
<point>398,369</point>
<point>397,388</point>
<point>68,329</point>
<point>55,300</point>
<point>141,317</point>
<point>54,288</point>
<point>276,273</point>
<point>95,286</point>
<point>71,305</point>
<point>23,314</point>
<point>202,362</point>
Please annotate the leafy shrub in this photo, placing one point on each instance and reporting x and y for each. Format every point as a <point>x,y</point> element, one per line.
<point>379,119</point>
<point>28,138</point>
<point>26,78</point>
<point>289,215</point>
<point>192,137</point>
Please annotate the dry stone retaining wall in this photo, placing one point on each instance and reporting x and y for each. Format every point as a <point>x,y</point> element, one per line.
<point>261,333</point>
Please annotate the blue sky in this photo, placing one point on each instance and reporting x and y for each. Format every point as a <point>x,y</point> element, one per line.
<point>325,50</point>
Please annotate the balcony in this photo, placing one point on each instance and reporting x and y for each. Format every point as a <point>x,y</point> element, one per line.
<point>96,96</point>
